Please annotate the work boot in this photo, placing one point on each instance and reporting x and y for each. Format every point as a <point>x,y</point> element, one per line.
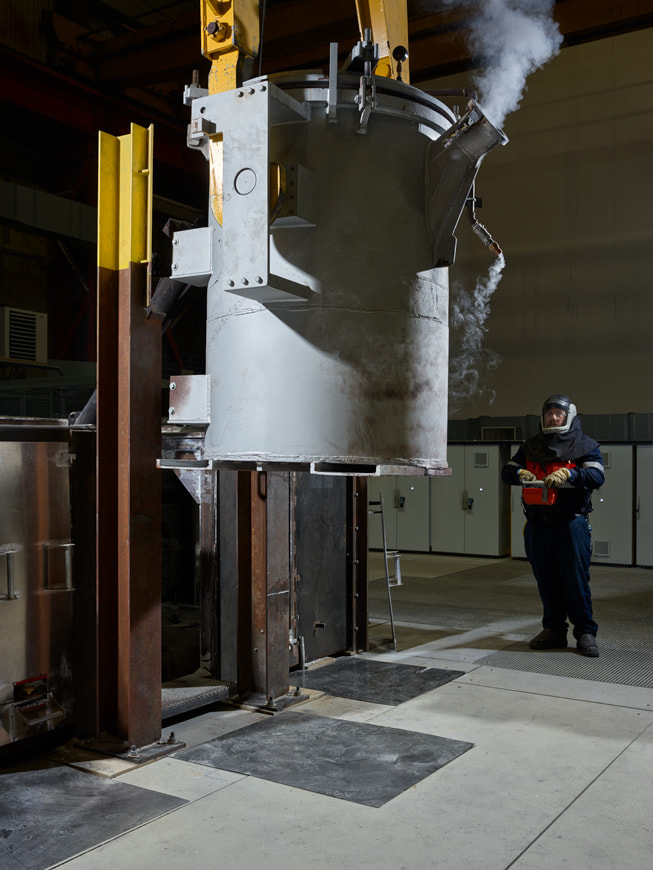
<point>587,646</point>
<point>548,639</point>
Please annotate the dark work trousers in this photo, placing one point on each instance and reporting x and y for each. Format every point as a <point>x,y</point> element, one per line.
<point>560,554</point>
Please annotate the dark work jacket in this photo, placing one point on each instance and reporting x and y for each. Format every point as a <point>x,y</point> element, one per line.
<point>544,453</point>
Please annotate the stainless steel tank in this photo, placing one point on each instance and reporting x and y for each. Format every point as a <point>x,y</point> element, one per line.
<point>333,206</point>
<point>36,584</point>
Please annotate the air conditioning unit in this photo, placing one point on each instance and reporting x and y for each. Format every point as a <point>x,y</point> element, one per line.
<point>23,335</point>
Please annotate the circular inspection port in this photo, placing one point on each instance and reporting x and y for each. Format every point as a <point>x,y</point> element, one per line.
<point>245,181</point>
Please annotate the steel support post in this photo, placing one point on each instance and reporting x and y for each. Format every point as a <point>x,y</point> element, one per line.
<point>228,550</point>
<point>263,585</point>
<point>208,573</point>
<point>357,562</point>
<point>139,514</point>
<point>128,424</point>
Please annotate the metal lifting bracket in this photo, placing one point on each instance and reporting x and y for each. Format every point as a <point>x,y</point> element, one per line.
<point>366,98</point>
<point>242,119</point>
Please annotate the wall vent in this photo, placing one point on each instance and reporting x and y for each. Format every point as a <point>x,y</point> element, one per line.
<point>23,335</point>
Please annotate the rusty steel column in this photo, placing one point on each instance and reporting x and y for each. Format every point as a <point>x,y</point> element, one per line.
<point>139,514</point>
<point>278,569</point>
<point>128,424</point>
<point>263,586</point>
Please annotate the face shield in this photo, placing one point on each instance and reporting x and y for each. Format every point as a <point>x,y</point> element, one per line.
<point>564,404</point>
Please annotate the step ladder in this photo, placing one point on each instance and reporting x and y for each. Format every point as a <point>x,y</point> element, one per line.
<point>376,507</point>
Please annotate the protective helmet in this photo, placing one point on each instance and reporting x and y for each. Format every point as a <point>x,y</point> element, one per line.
<point>558,401</point>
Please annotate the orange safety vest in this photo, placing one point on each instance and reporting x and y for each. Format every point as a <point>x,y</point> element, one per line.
<point>534,495</point>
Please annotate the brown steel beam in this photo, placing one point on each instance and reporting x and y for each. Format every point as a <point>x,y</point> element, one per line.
<point>128,445</point>
<point>277,584</point>
<point>228,546</point>
<point>107,496</point>
<point>263,585</point>
<point>139,513</point>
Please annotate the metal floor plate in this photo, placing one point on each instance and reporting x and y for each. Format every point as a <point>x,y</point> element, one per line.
<point>52,813</point>
<point>376,682</point>
<point>359,762</point>
<point>625,657</point>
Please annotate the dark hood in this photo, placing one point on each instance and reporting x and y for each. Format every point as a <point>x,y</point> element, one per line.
<point>568,446</point>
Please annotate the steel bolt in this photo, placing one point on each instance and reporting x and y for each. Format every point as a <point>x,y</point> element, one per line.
<point>171,412</point>
<point>244,281</point>
<point>216,28</point>
<point>173,385</point>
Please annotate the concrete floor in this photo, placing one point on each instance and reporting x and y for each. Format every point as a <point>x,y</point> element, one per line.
<point>559,775</point>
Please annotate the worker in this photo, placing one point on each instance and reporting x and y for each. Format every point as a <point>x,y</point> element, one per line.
<point>558,468</point>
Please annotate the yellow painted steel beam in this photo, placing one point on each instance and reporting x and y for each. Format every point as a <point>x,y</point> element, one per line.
<point>125,178</point>
<point>108,201</point>
<point>230,33</point>
<point>388,21</point>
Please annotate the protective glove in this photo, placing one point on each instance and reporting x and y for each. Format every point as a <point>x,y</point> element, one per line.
<point>525,476</point>
<point>557,478</point>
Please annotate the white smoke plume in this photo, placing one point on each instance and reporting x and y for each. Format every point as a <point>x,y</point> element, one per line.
<point>470,362</point>
<point>513,38</point>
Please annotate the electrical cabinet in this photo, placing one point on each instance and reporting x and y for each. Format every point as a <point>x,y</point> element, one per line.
<point>517,518</point>
<point>612,515</point>
<point>412,514</point>
<point>470,509</point>
<point>406,513</point>
<point>644,506</point>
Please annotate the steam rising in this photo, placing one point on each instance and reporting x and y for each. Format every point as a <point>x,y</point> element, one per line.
<point>513,38</point>
<point>471,362</point>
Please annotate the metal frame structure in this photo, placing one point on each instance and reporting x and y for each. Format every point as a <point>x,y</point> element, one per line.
<point>128,438</point>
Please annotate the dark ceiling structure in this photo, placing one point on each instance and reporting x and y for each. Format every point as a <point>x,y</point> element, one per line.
<point>143,53</point>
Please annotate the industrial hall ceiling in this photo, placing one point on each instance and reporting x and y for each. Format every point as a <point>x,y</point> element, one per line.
<point>142,52</point>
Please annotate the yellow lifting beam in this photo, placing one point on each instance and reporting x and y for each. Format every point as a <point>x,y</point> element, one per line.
<point>230,34</point>
<point>388,21</point>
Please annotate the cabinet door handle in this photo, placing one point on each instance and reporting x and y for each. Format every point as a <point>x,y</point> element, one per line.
<point>11,587</point>
<point>66,546</point>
